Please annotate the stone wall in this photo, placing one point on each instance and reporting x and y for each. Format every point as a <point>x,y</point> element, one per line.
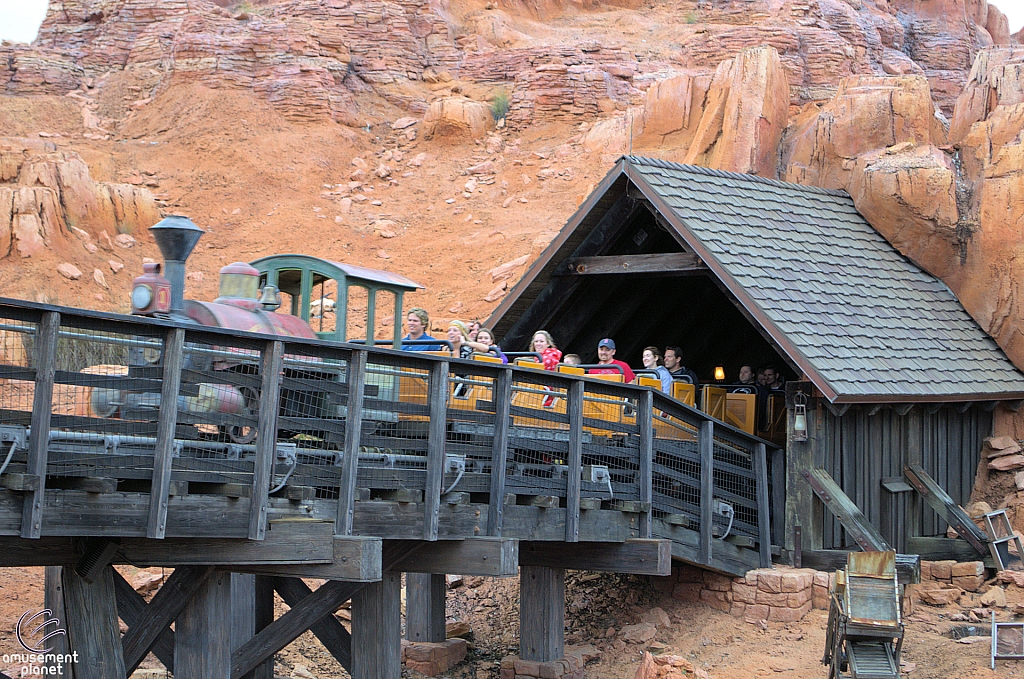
<point>780,594</point>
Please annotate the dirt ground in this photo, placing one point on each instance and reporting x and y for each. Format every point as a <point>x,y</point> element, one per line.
<point>597,608</point>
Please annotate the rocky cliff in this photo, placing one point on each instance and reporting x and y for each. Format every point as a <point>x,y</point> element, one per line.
<point>916,108</point>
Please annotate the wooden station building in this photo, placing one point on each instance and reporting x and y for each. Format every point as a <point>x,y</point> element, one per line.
<point>737,269</point>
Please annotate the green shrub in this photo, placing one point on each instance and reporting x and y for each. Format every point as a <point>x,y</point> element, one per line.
<point>500,104</point>
<point>691,17</point>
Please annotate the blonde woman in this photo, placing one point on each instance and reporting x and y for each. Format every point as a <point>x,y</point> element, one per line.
<point>462,346</point>
<point>544,345</point>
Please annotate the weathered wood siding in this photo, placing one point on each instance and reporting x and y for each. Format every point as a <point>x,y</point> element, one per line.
<point>860,450</point>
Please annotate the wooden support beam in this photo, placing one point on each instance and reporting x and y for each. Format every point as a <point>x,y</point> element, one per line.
<point>473,556</point>
<point>656,263</point>
<point>243,610</point>
<point>573,482</point>
<point>287,542</point>
<point>438,407</point>
<point>131,608</point>
<point>324,601</point>
<point>167,420</point>
<point>266,437</point>
<point>53,601</point>
<point>706,446</point>
<point>939,500</point>
<point>424,606</point>
<point>640,556</point>
<point>356,559</point>
<point>353,429</point>
<point>42,404</point>
<point>802,506</point>
<point>92,625</point>
<point>946,549</point>
<point>264,615</point>
<point>499,451</point>
<point>202,638</point>
<point>845,510</point>
<point>541,613</point>
<point>331,633</point>
<point>764,533</point>
<point>377,629</point>
<point>164,608</point>
<point>645,421</point>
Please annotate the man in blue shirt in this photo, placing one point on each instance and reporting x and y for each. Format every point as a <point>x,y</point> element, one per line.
<point>417,321</point>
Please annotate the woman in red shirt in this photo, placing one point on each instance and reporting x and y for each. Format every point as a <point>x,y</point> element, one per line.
<point>544,345</point>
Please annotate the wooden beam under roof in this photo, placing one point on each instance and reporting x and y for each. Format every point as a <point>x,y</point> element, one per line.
<point>659,262</point>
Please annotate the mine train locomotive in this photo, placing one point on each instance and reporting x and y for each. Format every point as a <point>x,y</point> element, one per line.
<point>248,299</point>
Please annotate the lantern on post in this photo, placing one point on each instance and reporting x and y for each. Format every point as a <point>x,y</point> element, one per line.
<point>800,416</point>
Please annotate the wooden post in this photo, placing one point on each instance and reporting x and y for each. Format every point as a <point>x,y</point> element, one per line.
<point>243,610</point>
<point>541,613</point>
<point>706,444</point>
<point>502,395</point>
<point>645,420</point>
<point>264,615</point>
<point>764,533</point>
<point>53,600</point>
<point>131,608</point>
<point>575,462</point>
<point>424,607</point>
<point>92,625</point>
<point>353,428</point>
<point>167,420</point>
<point>802,507</point>
<point>914,447</point>
<point>266,437</point>
<point>377,627</point>
<point>438,409</point>
<point>202,633</point>
<point>778,472</point>
<point>42,405</point>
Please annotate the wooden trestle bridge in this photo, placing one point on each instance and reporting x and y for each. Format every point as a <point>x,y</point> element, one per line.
<point>247,462</point>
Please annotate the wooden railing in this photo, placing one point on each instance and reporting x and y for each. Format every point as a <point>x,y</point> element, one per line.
<point>258,416</point>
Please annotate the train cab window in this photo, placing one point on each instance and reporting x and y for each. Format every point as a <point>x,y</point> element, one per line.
<point>355,317</point>
<point>384,314</point>
<point>323,317</point>
<point>289,282</point>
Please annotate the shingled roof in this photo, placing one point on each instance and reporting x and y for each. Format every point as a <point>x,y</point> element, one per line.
<point>863,322</point>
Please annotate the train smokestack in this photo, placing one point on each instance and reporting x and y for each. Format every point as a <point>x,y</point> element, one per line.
<point>176,235</point>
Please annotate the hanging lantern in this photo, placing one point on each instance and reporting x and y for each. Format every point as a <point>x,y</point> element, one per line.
<point>800,416</point>
<point>719,373</point>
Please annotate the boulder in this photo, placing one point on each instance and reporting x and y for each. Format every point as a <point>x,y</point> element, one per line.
<point>1007,462</point>
<point>647,669</point>
<point>939,596</point>
<point>908,193</point>
<point>639,633</point>
<point>672,109</point>
<point>457,119</point>
<point>656,616</point>
<point>69,271</point>
<point>746,111</point>
<point>996,79</point>
<point>30,219</point>
<point>867,113</point>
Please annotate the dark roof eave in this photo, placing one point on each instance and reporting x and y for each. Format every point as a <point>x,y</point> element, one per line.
<point>557,242</point>
<point>928,398</point>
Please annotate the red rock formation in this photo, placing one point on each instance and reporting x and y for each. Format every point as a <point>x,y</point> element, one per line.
<point>996,79</point>
<point>46,195</point>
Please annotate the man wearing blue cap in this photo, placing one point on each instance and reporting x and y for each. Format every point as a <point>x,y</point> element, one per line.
<point>606,356</point>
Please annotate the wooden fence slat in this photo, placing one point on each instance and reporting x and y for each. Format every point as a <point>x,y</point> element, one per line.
<point>645,420</point>
<point>573,481</point>
<point>266,437</point>
<point>438,403</point>
<point>42,407</point>
<point>499,451</point>
<point>353,427</point>
<point>174,346</point>
<point>706,443</point>
<point>764,532</point>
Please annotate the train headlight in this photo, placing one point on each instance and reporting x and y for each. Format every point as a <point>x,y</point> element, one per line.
<point>142,297</point>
